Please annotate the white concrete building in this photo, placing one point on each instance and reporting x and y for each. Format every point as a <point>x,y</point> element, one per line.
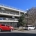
<point>9,15</point>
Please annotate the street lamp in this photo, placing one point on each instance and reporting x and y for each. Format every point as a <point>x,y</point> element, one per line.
<point>13,20</point>
<point>27,17</point>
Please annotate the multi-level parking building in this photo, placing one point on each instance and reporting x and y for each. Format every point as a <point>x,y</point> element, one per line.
<point>9,15</point>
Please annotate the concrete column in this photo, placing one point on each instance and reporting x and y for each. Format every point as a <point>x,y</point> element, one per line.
<point>19,12</point>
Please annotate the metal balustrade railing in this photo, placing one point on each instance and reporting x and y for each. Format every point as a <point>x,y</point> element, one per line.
<point>8,19</point>
<point>8,12</point>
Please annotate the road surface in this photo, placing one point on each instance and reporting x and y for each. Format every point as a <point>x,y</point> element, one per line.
<point>19,33</point>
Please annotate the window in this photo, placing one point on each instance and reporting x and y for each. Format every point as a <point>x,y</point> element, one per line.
<point>2,8</point>
<point>2,25</point>
<point>1,18</point>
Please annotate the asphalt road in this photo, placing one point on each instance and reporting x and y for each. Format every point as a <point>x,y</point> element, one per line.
<point>19,33</point>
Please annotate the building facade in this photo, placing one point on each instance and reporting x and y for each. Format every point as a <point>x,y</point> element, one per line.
<point>9,15</point>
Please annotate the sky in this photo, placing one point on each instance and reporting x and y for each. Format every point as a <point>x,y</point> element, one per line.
<point>19,4</point>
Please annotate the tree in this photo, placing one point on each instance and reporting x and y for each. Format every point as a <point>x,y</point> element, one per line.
<point>32,15</point>
<point>21,20</point>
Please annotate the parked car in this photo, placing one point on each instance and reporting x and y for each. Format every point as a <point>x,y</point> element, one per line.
<point>30,27</point>
<point>5,28</point>
<point>12,28</point>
